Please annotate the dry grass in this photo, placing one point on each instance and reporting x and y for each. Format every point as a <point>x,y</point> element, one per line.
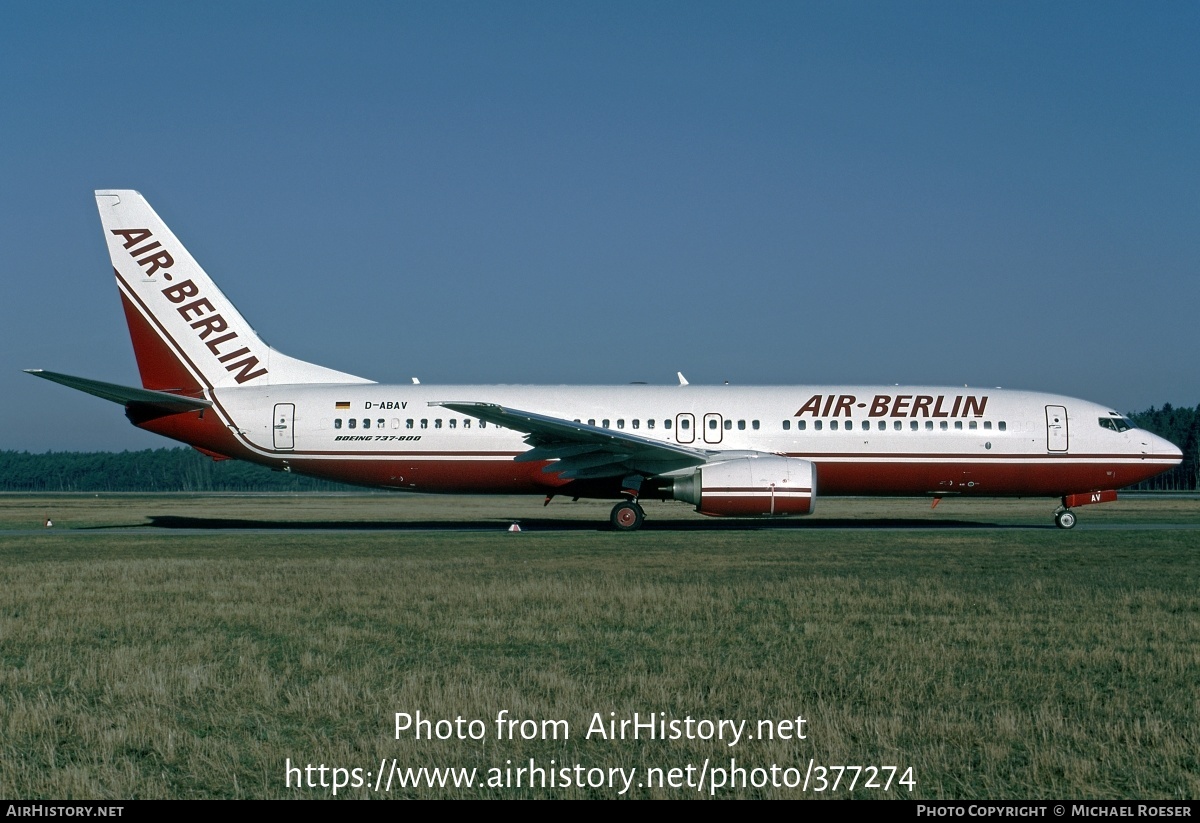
<point>996,662</point>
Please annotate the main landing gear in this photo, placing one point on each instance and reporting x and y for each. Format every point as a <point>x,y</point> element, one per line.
<point>627,516</point>
<point>1064,518</point>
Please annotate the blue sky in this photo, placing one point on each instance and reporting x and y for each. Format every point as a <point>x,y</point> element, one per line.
<point>953,193</point>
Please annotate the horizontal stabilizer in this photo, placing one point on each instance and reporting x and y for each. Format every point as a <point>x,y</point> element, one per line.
<point>124,395</point>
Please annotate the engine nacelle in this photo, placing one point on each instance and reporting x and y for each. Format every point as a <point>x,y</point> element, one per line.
<point>751,487</point>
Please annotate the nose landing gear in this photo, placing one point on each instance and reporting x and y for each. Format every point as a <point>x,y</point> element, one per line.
<point>1064,518</point>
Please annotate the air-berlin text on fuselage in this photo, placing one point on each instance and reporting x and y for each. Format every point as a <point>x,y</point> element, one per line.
<point>150,255</point>
<point>899,405</point>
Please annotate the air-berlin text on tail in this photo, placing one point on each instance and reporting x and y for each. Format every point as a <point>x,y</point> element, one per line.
<point>152,256</point>
<point>198,313</point>
<point>899,405</point>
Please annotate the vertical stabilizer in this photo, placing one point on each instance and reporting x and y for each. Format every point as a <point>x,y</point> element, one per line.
<point>187,336</point>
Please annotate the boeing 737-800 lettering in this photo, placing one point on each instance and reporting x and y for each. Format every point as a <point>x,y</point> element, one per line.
<point>209,381</point>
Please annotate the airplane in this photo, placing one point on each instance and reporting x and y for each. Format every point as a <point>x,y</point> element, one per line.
<point>209,381</point>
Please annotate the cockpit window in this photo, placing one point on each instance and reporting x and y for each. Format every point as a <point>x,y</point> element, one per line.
<point>1117,424</point>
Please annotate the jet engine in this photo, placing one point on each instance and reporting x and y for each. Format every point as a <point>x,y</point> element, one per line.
<point>750,487</point>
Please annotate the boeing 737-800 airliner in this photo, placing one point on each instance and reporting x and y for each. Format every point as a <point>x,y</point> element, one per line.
<point>209,381</point>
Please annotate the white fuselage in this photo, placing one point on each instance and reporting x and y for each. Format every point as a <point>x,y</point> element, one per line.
<point>862,439</point>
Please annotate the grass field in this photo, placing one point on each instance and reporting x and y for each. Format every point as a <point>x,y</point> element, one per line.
<point>151,646</point>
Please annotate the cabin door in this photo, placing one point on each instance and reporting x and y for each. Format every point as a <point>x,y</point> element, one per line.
<point>285,415</point>
<point>1056,428</point>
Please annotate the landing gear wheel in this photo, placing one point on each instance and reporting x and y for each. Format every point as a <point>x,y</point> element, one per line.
<point>627,516</point>
<point>1064,519</point>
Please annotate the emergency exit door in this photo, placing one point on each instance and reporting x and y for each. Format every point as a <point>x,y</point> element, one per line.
<point>712,428</point>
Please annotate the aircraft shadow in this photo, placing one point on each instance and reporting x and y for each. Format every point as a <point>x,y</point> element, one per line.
<point>550,524</point>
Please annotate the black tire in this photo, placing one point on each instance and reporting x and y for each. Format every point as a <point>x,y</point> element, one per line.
<point>627,516</point>
<point>1065,519</point>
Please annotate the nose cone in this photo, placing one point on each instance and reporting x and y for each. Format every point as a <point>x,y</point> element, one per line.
<point>1164,447</point>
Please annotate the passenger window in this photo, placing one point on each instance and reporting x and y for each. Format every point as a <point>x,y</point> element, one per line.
<point>380,423</point>
<point>408,424</point>
<point>1002,425</point>
<point>424,423</point>
<point>741,425</point>
<point>945,426</point>
<point>604,423</point>
<point>817,425</point>
<point>683,424</point>
<point>712,424</point>
<point>395,423</point>
<point>866,425</point>
<point>591,421</point>
<point>958,425</point>
<point>787,425</point>
<point>833,425</point>
<point>483,424</point>
<point>754,425</point>
<point>972,425</point>
<point>928,425</point>
<point>620,422</point>
<point>898,425</point>
<point>636,424</point>
<point>882,426</point>
<point>649,423</point>
<point>729,425</point>
<point>366,422</point>
<point>801,425</point>
<point>351,423</point>
<point>987,425</point>
<point>914,425</point>
<point>437,423</point>
<point>337,423</point>
<point>453,423</point>
<point>467,423</point>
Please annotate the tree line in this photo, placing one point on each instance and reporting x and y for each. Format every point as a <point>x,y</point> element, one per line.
<point>186,470</point>
<point>152,470</point>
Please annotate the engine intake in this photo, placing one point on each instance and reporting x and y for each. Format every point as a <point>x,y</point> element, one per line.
<point>751,487</point>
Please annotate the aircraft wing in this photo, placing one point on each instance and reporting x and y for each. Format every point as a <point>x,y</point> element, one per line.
<point>582,451</point>
<point>125,395</point>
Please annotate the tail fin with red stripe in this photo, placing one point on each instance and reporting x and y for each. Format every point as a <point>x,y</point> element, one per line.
<point>187,336</point>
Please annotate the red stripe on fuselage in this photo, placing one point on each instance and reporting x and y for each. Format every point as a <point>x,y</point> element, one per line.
<point>437,476</point>
<point>984,479</point>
